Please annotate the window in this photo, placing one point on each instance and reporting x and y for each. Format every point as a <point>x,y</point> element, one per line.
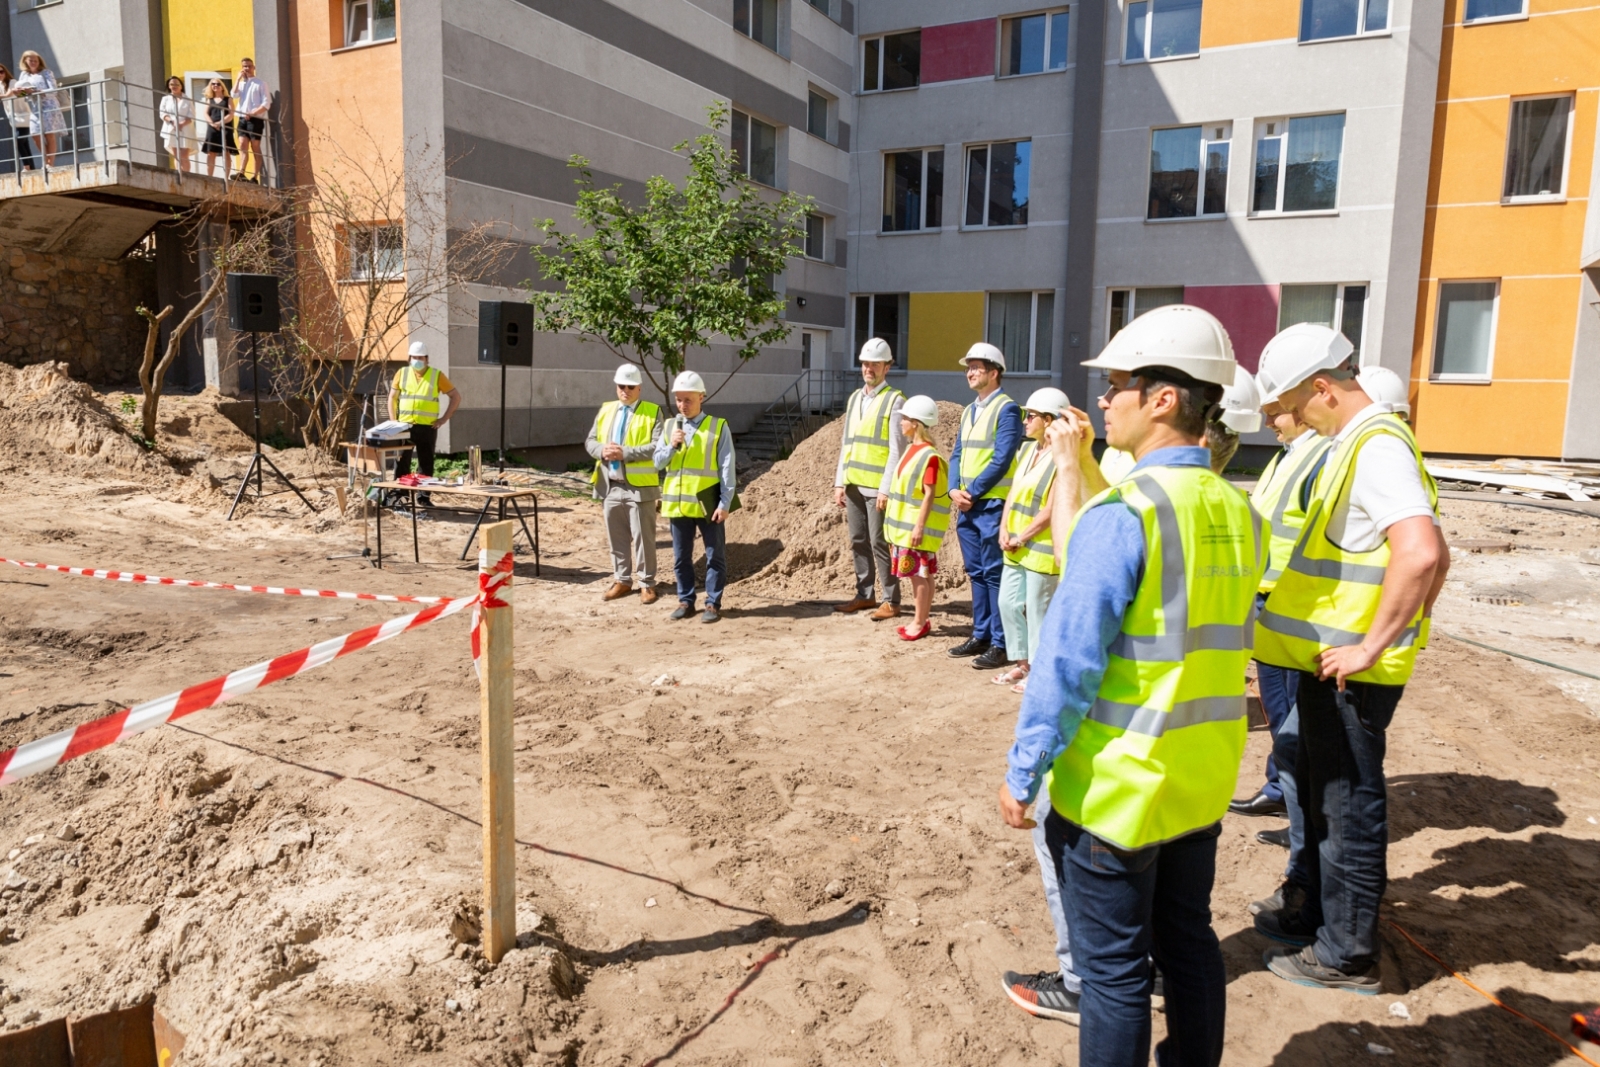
<point>820,5</point>
<point>1129,304</point>
<point>884,315</point>
<point>1480,10</point>
<point>1463,341</point>
<point>1536,151</point>
<point>755,145</point>
<point>757,20</point>
<point>891,62</point>
<point>1339,307</point>
<point>1161,29</point>
<point>913,190</point>
<point>1297,163</point>
<point>1178,157</point>
<point>997,184</point>
<point>818,107</point>
<point>1019,326</point>
<point>375,252</point>
<point>1322,19</point>
<point>1033,44</point>
<point>368,21</point>
<point>816,232</point>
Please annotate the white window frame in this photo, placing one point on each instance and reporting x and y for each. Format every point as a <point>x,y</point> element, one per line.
<point>861,79</point>
<point>778,22</point>
<point>897,349</point>
<point>1283,167</point>
<point>1033,328</point>
<point>372,22</point>
<point>777,147</point>
<point>1224,137</point>
<point>1361,26</point>
<point>944,194</point>
<point>966,170</point>
<point>827,225</point>
<point>358,267</point>
<point>1488,19</point>
<point>1049,30</point>
<point>1494,334</point>
<point>1149,14</point>
<point>1133,296</point>
<point>1566,152</point>
<point>830,121</point>
<point>1338,306</point>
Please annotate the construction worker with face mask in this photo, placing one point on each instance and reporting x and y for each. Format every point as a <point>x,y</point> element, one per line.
<point>1136,701</point>
<point>869,452</point>
<point>623,443</point>
<point>414,398</point>
<point>1347,614</point>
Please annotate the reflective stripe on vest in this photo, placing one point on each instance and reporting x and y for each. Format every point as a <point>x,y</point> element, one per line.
<point>1157,754</point>
<point>1030,489</point>
<point>419,396</point>
<point>905,501</point>
<point>691,471</point>
<point>1277,498</point>
<point>1328,596</point>
<point>866,436</point>
<point>640,431</point>
<point>980,427</point>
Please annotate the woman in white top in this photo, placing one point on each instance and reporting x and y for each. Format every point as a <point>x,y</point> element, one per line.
<point>16,113</point>
<point>38,85</point>
<point>177,122</point>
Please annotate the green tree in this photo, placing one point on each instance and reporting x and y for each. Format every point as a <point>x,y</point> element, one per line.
<point>696,262</point>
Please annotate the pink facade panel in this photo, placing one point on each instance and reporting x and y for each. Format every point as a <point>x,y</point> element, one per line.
<point>958,50</point>
<point>1249,312</point>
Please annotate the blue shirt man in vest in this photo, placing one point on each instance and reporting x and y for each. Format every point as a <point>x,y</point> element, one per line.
<point>979,497</point>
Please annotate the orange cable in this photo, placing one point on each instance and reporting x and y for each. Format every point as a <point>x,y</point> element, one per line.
<point>1490,997</point>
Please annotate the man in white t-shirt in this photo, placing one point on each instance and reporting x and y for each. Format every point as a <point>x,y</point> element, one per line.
<point>1348,614</point>
<point>251,102</point>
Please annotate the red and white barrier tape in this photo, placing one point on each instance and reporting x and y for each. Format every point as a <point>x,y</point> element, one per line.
<point>56,749</point>
<point>189,583</point>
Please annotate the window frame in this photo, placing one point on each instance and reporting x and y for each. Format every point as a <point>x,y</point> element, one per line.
<point>879,38</point>
<point>1033,327</point>
<point>353,257</point>
<point>1049,14</point>
<point>988,177</point>
<point>805,241</point>
<point>902,337</point>
<point>749,7</point>
<point>1361,25</point>
<point>744,163</point>
<point>372,22</point>
<point>1487,377</point>
<point>830,111</point>
<point>1283,168</point>
<point>1201,214</point>
<point>1339,298</point>
<point>1149,15</point>
<point>1488,20</point>
<point>1566,151</point>
<point>944,172</point>
<point>1133,299</point>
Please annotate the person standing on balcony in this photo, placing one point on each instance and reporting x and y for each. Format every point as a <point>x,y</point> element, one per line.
<point>16,113</point>
<point>623,442</point>
<point>869,452</point>
<point>219,128</point>
<point>37,84</point>
<point>177,123</point>
<point>251,100</point>
<point>414,398</point>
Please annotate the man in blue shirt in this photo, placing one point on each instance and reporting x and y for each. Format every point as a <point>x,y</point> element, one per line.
<point>991,430</point>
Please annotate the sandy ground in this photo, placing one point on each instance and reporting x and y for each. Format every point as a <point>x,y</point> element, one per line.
<point>771,841</point>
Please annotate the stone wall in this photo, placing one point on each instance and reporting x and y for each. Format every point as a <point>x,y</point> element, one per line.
<point>76,311</point>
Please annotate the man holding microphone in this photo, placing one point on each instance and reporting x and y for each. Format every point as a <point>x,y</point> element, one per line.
<point>697,493</point>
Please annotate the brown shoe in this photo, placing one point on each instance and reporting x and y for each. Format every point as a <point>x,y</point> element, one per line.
<point>617,591</point>
<point>885,611</point>
<point>854,605</point>
<point>648,594</point>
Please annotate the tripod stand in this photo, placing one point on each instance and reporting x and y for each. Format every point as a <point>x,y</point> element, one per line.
<point>258,460</point>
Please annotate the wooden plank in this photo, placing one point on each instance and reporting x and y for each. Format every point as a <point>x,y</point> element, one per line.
<point>499,795</point>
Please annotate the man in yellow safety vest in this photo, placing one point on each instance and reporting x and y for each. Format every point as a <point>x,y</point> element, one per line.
<point>869,452</point>
<point>1347,616</point>
<point>414,398</point>
<point>1136,704</point>
<point>697,493</point>
<point>623,443</point>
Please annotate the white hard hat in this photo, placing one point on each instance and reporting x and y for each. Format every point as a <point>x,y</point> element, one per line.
<point>985,351</point>
<point>688,382</point>
<point>1296,354</point>
<point>1386,387</point>
<point>628,374</point>
<point>419,349</point>
<point>1048,400</point>
<point>921,408</point>
<point>1241,404</point>
<point>876,350</point>
<point>1177,336</point>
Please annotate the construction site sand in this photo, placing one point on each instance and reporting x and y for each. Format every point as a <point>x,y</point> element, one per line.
<point>790,809</point>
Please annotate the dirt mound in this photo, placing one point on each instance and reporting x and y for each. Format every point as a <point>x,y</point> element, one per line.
<point>189,422</point>
<point>790,539</point>
<point>50,423</point>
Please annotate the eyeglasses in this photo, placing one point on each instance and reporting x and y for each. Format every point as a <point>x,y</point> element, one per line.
<point>1113,389</point>
<point>1046,416</point>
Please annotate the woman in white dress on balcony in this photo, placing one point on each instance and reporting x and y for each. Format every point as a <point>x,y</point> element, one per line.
<point>177,122</point>
<point>38,84</point>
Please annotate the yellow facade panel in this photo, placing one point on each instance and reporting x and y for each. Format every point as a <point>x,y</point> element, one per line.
<point>207,36</point>
<point>1502,419</point>
<point>1248,21</point>
<point>943,326</point>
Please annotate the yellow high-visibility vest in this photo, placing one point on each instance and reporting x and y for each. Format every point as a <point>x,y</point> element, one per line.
<point>905,501</point>
<point>1276,498</point>
<point>1030,489</point>
<point>866,436</point>
<point>980,425</point>
<point>419,396</point>
<point>639,432</point>
<point>691,471</point>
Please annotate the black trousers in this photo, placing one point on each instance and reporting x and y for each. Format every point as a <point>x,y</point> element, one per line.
<point>423,439</point>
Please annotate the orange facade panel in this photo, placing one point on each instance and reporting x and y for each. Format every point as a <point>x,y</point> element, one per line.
<point>1503,241</point>
<point>1551,52</point>
<point>1248,21</point>
<point>1470,139</point>
<point>1502,419</point>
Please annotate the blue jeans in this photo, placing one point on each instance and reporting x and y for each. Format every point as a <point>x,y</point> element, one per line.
<point>1344,800</point>
<point>978,530</point>
<point>1052,893</point>
<point>1124,908</point>
<point>1278,688</point>
<point>713,534</point>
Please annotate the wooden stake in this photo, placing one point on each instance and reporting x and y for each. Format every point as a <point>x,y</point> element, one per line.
<point>499,796</point>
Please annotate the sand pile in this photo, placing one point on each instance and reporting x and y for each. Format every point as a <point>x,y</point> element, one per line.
<point>189,422</point>
<point>790,539</point>
<point>53,424</point>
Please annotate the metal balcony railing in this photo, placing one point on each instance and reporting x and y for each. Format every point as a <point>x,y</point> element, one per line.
<point>90,123</point>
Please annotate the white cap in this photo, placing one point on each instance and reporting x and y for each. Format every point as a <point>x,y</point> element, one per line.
<point>985,351</point>
<point>1241,404</point>
<point>921,408</point>
<point>1178,337</point>
<point>418,349</point>
<point>628,374</point>
<point>688,382</point>
<point>1296,354</point>
<point>1048,400</point>
<point>876,350</point>
<point>1385,387</point>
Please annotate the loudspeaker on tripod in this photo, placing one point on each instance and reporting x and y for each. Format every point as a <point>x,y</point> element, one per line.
<point>505,333</point>
<point>253,303</point>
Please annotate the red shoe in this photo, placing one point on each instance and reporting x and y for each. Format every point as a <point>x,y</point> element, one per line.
<point>908,635</point>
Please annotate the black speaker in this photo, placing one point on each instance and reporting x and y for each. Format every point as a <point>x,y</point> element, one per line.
<point>253,303</point>
<point>505,333</point>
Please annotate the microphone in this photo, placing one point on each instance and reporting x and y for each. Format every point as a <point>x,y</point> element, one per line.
<point>680,430</point>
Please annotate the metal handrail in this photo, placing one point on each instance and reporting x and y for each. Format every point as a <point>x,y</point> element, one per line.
<point>96,122</point>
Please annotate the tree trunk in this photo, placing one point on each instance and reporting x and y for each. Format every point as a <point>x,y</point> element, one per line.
<point>153,380</point>
<point>152,334</point>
